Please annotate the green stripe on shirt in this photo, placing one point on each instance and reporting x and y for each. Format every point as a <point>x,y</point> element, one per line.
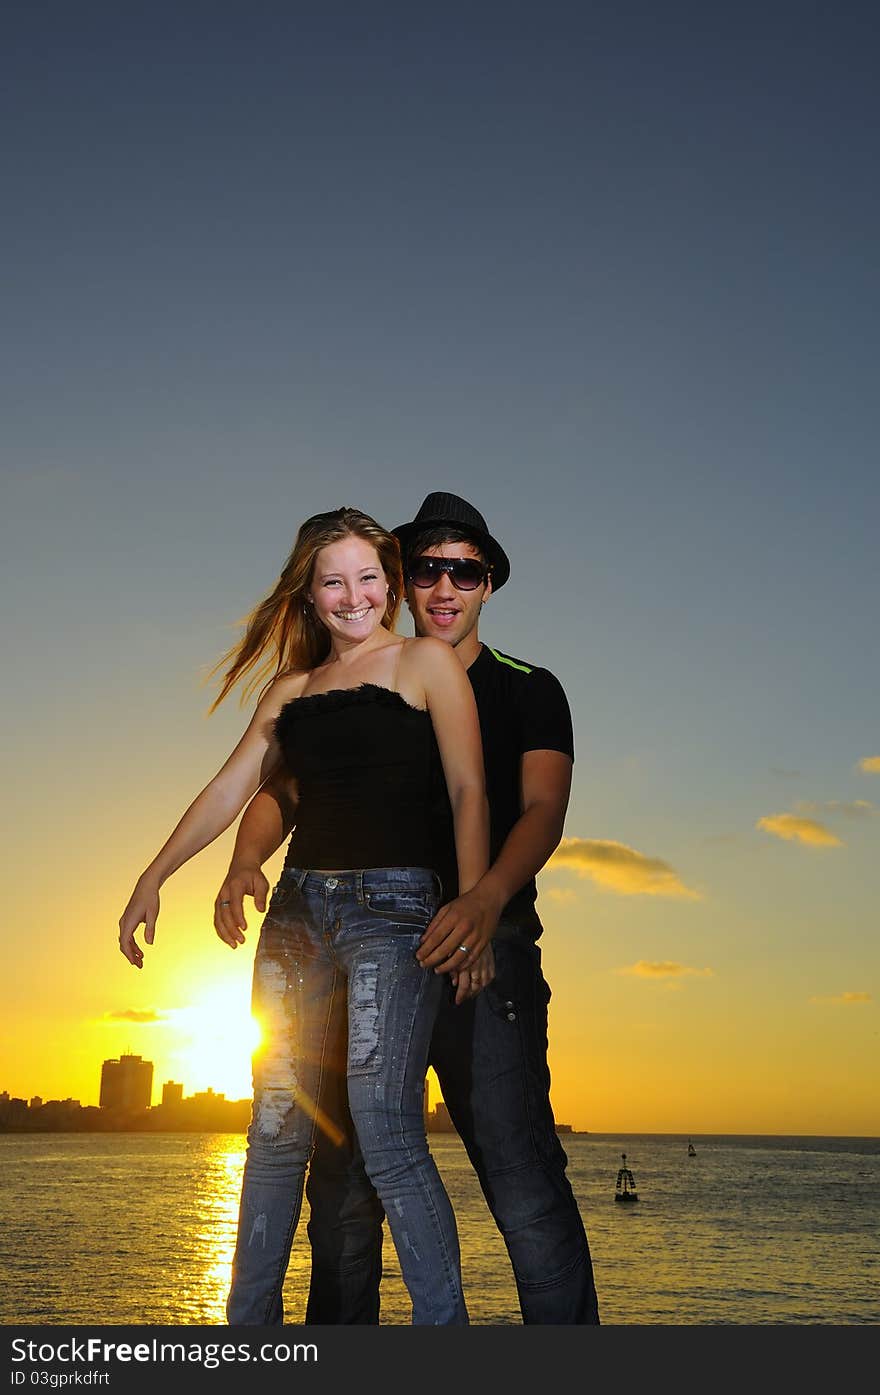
<point>523,668</point>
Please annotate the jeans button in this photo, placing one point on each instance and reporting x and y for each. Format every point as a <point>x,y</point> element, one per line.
<point>331,882</point>
<point>511,1017</point>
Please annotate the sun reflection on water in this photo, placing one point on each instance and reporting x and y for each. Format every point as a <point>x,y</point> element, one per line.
<point>217,1204</point>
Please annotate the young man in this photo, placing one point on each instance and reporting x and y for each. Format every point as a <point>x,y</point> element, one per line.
<point>489,1047</point>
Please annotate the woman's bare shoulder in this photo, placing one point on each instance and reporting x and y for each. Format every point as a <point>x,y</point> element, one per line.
<point>428,660</point>
<point>424,649</point>
<point>284,688</point>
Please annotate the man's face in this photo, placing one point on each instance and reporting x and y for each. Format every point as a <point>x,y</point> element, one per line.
<point>440,611</point>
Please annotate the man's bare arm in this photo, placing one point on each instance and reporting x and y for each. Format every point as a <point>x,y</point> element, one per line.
<point>265,824</point>
<point>545,782</point>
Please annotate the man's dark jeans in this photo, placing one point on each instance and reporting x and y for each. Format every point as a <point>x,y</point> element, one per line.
<point>490,1056</point>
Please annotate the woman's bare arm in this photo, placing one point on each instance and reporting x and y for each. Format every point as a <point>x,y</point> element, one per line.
<point>450,700</point>
<point>212,811</point>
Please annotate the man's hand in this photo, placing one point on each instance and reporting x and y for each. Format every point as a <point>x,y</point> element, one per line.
<point>229,917</point>
<point>470,982</point>
<point>459,932</point>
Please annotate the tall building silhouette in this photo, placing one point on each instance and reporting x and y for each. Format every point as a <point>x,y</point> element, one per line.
<point>440,1120</point>
<point>126,1084</point>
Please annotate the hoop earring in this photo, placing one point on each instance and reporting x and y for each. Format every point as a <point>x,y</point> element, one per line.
<point>392,599</point>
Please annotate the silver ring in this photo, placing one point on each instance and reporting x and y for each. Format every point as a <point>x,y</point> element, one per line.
<point>462,949</point>
<point>225,903</point>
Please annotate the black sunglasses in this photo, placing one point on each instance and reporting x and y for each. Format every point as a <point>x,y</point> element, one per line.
<point>465,573</point>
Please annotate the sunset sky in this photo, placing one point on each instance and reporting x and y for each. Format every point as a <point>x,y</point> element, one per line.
<point>608,270</point>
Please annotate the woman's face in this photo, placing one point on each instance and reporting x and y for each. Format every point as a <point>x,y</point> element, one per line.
<point>349,590</point>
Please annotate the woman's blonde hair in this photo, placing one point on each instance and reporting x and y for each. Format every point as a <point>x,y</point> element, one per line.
<point>283,630</point>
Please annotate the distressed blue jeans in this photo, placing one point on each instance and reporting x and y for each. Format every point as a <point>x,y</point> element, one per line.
<point>336,962</point>
<point>490,1055</point>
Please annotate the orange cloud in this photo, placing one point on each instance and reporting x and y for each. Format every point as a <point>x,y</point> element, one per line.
<point>870,765</point>
<point>844,999</point>
<point>853,808</point>
<point>619,868</point>
<point>796,828</point>
<point>145,1015</point>
<point>664,968</point>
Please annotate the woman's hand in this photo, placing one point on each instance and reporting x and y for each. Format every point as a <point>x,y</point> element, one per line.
<point>142,909</point>
<point>469,982</point>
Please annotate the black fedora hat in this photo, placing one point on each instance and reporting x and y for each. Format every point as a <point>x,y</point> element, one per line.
<point>450,511</point>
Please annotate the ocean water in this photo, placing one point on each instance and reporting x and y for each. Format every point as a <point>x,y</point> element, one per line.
<point>140,1228</point>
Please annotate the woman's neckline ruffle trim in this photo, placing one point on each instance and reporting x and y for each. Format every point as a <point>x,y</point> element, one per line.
<point>335,699</point>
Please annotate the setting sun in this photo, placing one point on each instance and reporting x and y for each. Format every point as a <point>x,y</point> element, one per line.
<point>217,1037</point>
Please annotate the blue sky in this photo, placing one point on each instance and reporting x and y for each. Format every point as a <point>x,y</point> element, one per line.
<point>609,271</point>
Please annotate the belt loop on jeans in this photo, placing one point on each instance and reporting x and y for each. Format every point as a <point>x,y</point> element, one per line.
<point>301,876</point>
<point>359,888</point>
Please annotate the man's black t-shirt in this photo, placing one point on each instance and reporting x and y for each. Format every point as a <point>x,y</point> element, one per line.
<point>521,708</point>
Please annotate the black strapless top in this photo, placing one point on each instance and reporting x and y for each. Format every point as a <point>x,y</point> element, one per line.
<point>371,787</point>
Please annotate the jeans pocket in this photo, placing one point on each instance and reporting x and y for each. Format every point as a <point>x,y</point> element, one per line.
<point>504,995</point>
<point>501,1003</point>
<point>402,907</point>
<point>280,894</point>
<point>285,890</point>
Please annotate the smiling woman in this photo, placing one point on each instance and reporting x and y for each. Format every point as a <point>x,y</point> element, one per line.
<point>380,738</point>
